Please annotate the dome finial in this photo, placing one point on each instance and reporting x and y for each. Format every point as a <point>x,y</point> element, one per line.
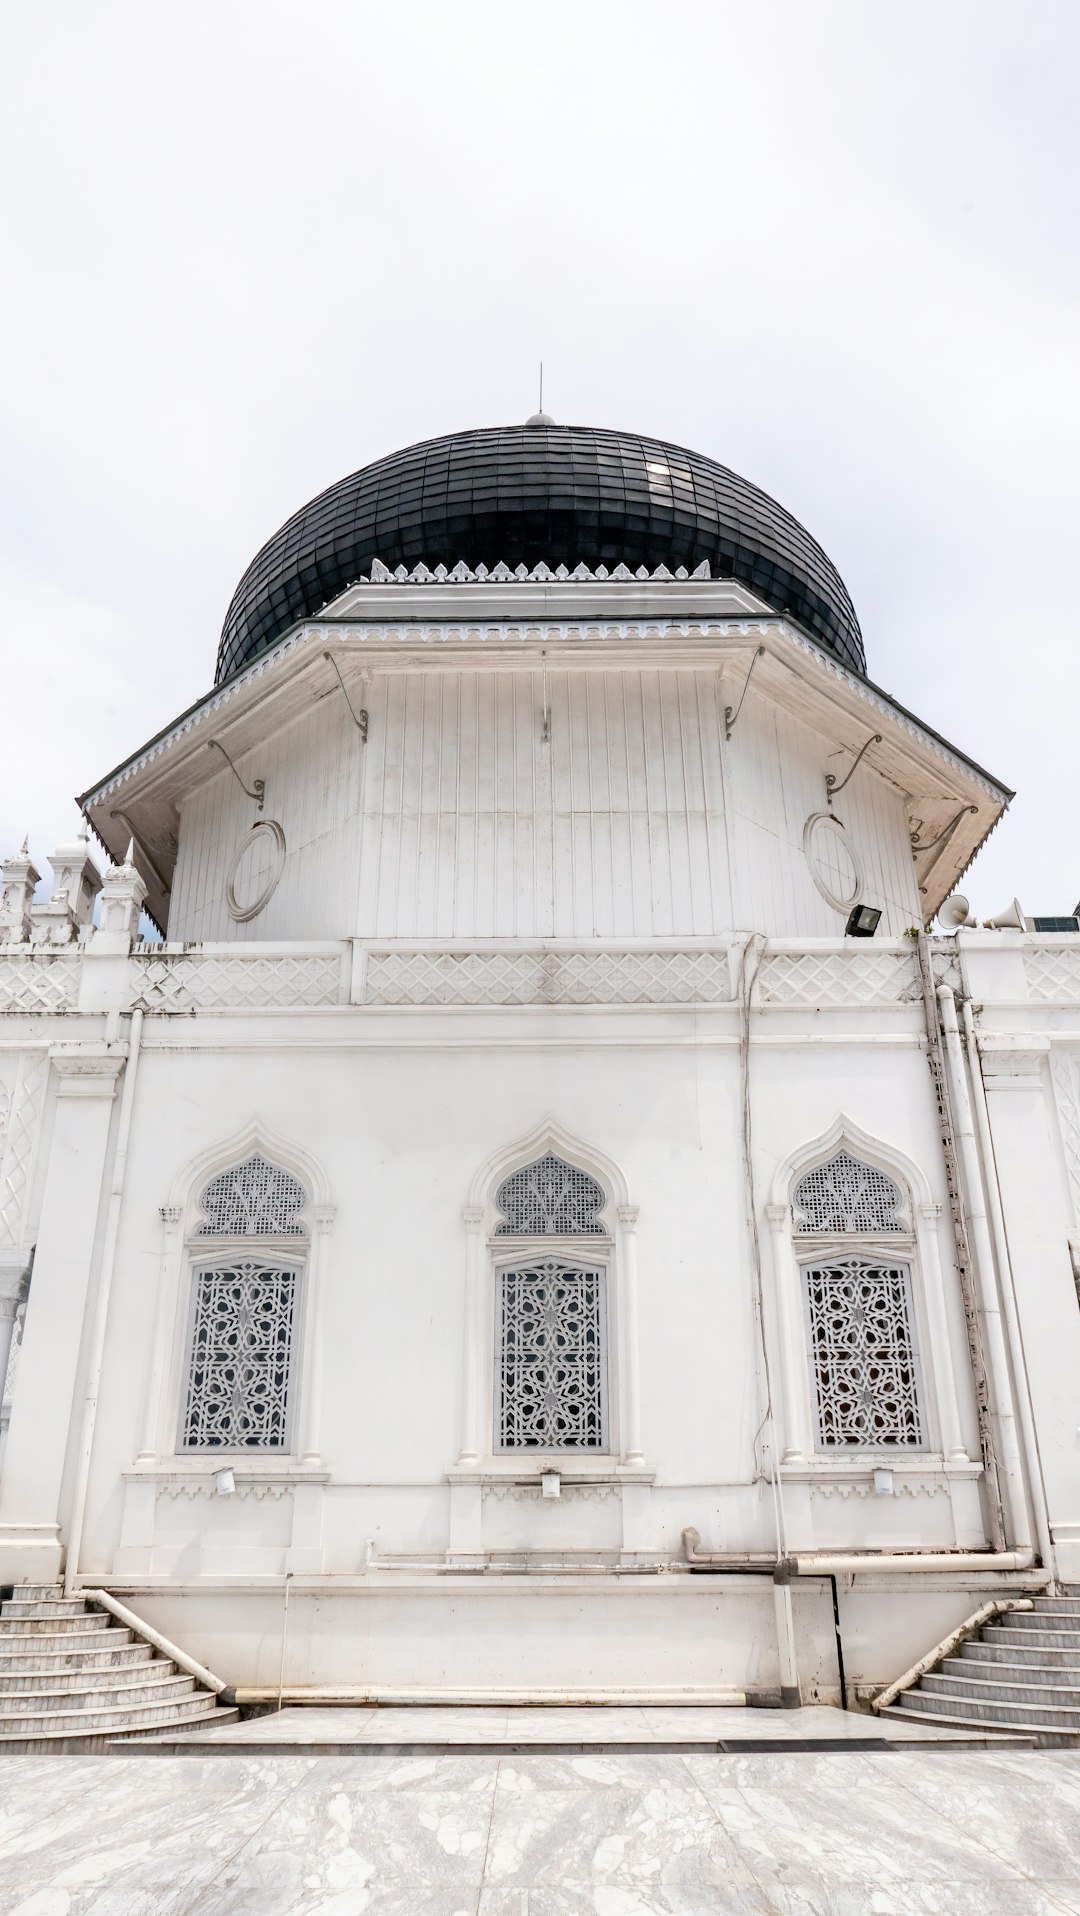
<point>540,418</point>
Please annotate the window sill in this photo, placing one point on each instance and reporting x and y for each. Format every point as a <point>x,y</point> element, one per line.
<point>910,1467</point>
<point>570,1470</point>
<point>245,1468</point>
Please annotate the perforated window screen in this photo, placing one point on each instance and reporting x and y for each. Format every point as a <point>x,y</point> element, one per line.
<point>550,1198</point>
<point>846,1195</point>
<point>253,1199</point>
<point>242,1335</point>
<point>552,1359</point>
<point>863,1354</point>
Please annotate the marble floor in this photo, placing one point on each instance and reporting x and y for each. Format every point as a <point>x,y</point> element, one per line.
<point>902,1832</point>
<point>312,1728</point>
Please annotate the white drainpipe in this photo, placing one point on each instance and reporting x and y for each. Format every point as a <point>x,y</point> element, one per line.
<point>101,1309</point>
<point>1008,1297</point>
<point>985,1277</point>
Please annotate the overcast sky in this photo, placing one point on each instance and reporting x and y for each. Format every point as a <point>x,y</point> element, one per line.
<point>250,245</point>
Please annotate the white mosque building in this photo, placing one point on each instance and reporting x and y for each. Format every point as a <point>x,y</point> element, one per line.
<point>548,1219</point>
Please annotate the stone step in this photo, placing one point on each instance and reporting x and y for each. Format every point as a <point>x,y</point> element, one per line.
<point>91,1742</point>
<point>35,1592</point>
<point>56,1643</point>
<point>1009,1633</point>
<point>1052,1606</point>
<point>65,1661</point>
<point>115,1720</point>
<point>1024,1738</point>
<point>1038,1620</point>
<point>980,1710</point>
<point>79,1620</point>
<point>115,1677</point>
<point>959,1678</point>
<point>165,1689</point>
<point>44,1607</point>
<point>1047,1656</point>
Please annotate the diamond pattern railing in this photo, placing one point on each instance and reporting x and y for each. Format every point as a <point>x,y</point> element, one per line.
<point>202,981</point>
<point>39,981</point>
<point>546,977</point>
<point>838,978</point>
<point>1053,975</point>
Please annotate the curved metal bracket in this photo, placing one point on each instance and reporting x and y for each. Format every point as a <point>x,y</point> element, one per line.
<point>831,786</point>
<point>359,719</point>
<point>942,836</point>
<point>258,785</point>
<point>730,716</point>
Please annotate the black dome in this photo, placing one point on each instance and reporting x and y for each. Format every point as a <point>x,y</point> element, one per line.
<point>569,495</point>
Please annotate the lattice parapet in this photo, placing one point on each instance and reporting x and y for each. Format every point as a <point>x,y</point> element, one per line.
<point>838,978</point>
<point>241,981</point>
<point>1053,975</point>
<point>38,981</point>
<point>420,977</point>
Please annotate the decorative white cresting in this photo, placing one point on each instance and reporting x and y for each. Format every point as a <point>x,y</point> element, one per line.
<point>553,1372</point>
<point>550,1198</point>
<point>862,1346</point>
<point>253,1199</point>
<point>846,1195</point>
<point>502,574</point>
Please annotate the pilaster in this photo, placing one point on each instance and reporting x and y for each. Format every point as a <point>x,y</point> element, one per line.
<point>30,1487</point>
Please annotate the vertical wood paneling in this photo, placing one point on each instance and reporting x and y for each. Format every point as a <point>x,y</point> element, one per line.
<point>471,826</point>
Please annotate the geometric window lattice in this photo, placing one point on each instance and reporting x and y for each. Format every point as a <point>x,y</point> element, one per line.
<point>241,1357</point>
<point>862,1343</point>
<point>846,1195</point>
<point>550,1199</point>
<point>253,1199</point>
<point>552,1384</point>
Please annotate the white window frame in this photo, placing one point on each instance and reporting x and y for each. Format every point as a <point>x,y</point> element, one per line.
<point>834,1253</point>
<point>896,1248</point>
<point>509,1254</point>
<point>208,1254</point>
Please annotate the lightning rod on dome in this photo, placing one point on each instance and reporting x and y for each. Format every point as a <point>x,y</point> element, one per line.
<point>540,417</point>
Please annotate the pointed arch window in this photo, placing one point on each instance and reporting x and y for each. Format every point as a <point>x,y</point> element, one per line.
<point>245,1301</point>
<point>551,1358</point>
<point>859,1304</point>
<point>550,1198</point>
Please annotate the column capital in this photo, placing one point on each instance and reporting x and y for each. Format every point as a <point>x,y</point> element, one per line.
<point>472,1217</point>
<point>930,1210</point>
<point>324,1215</point>
<point>170,1215</point>
<point>88,1071</point>
<point>627,1215</point>
<point>778,1215</point>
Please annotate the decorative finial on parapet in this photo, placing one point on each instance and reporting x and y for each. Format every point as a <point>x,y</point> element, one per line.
<point>122,897</point>
<point>18,881</point>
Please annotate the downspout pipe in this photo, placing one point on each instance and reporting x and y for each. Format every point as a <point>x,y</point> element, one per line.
<point>985,1278</point>
<point>1009,1301</point>
<point>96,1354</point>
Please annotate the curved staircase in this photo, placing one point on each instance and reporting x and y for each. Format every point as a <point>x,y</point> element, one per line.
<point>71,1677</point>
<point>1018,1671</point>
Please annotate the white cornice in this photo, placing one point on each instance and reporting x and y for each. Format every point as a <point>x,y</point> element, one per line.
<point>509,633</point>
